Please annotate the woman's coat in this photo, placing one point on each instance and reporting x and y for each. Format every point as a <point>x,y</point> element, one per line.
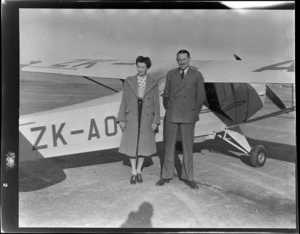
<point>128,113</point>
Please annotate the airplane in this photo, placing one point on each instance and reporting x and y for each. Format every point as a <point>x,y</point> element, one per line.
<point>235,91</point>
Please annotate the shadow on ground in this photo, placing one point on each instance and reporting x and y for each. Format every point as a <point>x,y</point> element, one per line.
<point>141,218</point>
<point>43,172</point>
<point>38,172</point>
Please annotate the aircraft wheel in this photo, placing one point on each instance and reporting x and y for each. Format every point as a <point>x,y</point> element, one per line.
<point>258,156</point>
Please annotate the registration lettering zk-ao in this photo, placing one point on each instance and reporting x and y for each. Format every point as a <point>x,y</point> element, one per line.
<point>36,145</point>
<point>57,132</point>
<point>57,135</point>
<point>93,130</point>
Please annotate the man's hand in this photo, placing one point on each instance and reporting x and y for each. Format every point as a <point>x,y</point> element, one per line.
<point>122,125</point>
<point>153,127</point>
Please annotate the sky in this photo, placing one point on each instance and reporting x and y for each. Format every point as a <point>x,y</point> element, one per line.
<point>58,34</point>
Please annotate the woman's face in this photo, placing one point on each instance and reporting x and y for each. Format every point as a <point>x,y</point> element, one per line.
<point>141,68</point>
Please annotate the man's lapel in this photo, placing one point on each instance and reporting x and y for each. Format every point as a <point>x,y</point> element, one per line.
<point>177,79</point>
<point>187,79</point>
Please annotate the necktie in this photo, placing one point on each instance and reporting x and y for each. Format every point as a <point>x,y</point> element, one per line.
<point>182,74</point>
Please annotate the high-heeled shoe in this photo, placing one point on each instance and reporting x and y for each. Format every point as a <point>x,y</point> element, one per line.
<point>133,179</point>
<point>139,178</point>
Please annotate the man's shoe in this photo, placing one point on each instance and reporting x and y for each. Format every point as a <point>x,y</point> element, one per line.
<point>162,181</point>
<point>192,184</point>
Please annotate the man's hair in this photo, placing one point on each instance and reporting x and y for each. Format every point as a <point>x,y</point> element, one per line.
<point>145,60</point>
<point>183,52</point>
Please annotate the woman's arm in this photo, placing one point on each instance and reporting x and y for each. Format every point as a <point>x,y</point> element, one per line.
<point>121,114</point>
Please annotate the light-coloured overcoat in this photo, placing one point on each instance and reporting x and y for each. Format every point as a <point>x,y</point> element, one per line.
<point>128,113</point>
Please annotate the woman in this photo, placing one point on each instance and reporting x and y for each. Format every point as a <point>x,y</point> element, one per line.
<point>139,117</point>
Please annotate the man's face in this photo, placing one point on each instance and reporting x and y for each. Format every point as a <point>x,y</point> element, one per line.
<point>183,61</point>
<point>141,68</point>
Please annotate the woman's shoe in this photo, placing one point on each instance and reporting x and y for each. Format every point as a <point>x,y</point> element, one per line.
<point>133,179</point>
<point>139,178</point>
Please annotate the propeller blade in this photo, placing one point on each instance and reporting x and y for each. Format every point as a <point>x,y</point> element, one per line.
<point>274,98</point>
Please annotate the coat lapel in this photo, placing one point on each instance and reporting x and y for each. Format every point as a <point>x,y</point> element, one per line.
<point>132,81</point>
<point>177,79</point>
<point>187,79</point>
<point>150,83</point>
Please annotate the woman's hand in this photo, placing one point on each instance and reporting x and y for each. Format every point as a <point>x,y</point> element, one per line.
<point>122,125</point>
<point>153,127</point>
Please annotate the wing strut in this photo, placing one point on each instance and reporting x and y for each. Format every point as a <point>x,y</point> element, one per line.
<point>287,110</point>
<point>269,92</point>
<point>100,84</point>
<point>123,81</point>
<point>274,98</point>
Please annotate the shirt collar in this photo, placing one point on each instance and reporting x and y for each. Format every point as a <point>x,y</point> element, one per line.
<point>142,77</point>
<point>185,70</point>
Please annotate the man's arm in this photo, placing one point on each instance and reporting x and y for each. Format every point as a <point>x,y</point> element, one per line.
<point>166,93</point>
<point>201,93</point>
<point>156,119</point>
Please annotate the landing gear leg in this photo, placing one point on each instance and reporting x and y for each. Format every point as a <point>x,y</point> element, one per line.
<point>257,153</point>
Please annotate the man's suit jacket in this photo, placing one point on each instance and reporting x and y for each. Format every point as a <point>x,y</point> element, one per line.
<point>184,98</point>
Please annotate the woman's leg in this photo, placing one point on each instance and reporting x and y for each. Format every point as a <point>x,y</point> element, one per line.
<point>133,166</point>
<point>140,164</point>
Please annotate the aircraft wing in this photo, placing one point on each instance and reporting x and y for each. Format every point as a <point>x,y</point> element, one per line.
<point>257,71</point>
<point>98,68</point>
<point>237,71</point>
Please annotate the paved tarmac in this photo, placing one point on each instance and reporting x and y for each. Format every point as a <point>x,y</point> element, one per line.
<point>93,189</point>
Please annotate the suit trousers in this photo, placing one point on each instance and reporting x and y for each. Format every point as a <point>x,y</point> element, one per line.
<point>187,136</point>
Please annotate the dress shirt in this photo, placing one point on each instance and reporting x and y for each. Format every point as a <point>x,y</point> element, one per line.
<point>185,71</point>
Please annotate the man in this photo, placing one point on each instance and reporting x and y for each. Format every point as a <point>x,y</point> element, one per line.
<point>184,96</point>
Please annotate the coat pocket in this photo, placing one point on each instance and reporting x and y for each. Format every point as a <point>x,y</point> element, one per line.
<point>127,110</point>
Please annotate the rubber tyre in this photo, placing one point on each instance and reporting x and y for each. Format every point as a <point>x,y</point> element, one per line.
<point>258,156</point>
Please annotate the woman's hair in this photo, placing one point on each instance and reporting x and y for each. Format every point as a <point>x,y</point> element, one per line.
<point>145,60</point>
